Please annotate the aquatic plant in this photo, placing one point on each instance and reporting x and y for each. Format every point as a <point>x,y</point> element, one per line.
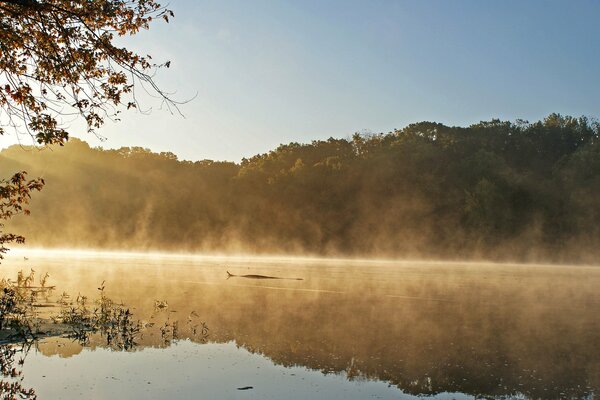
<point>17,310</point>
<point>83,319</point>
<point>111,320</point>
<point>17,333</point>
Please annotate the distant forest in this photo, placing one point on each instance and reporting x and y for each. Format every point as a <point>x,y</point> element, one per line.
<point>495,190</point>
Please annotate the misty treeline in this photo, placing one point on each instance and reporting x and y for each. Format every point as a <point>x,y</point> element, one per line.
<point>495,190</point>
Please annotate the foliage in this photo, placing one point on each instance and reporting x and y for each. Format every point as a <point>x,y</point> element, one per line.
<point>14,197</point>
<point>59,58</point>
<point>500,190</point>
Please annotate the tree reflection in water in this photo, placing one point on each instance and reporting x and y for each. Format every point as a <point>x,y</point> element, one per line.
<point>501,332</point>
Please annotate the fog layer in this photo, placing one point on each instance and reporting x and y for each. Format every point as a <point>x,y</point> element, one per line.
<point>494,190</point>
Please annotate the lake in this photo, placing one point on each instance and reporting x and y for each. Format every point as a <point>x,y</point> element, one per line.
<point>330,329</point>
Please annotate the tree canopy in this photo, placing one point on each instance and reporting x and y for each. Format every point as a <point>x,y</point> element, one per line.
<point>495,190</point>
<point>59,59</point>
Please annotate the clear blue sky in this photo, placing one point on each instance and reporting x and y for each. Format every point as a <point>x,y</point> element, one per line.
<point>271,72</point>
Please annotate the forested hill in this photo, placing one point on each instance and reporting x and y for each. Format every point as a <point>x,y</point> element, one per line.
<point>495,190</point>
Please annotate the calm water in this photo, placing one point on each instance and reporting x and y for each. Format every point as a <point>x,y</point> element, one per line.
<point>347,330</point>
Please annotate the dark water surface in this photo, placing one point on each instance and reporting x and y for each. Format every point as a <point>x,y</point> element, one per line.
<point>347,330</point>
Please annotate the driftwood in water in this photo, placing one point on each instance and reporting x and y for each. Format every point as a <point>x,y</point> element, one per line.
<point>230,275</point>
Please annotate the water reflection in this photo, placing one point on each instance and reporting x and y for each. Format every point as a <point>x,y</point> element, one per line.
<point>25,320</point>
<point>12,358</point>
<point>486,331</point>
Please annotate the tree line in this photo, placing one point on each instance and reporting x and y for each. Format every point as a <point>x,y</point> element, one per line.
<point>495,190</point>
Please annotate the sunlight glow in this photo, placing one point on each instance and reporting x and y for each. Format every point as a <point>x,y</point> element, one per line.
<point>252,258</point>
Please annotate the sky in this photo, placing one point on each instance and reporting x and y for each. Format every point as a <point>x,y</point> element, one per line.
<point>261,73</point>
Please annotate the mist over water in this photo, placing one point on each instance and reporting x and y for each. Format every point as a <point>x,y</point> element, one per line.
<point>484,330</point>
<point>308,268</point>
<point>428,261</point>
<point>519,192</point>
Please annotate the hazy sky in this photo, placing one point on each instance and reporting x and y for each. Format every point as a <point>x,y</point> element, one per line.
<point>271,72</point>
